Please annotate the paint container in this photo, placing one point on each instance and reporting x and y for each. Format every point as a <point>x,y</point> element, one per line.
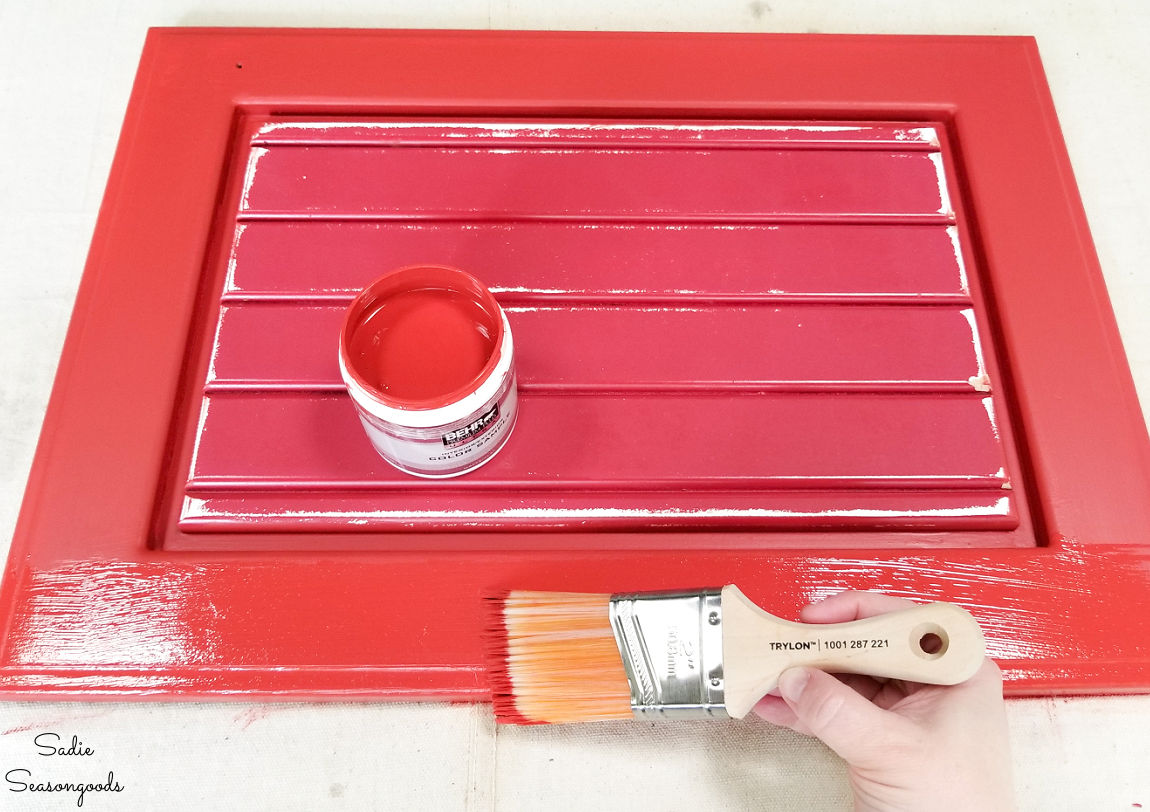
<point>427,357</point>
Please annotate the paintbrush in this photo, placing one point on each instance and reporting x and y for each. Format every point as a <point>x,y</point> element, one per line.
<point>572,657</point>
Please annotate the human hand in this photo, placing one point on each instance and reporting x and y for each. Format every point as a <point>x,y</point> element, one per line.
<point>926,748</point>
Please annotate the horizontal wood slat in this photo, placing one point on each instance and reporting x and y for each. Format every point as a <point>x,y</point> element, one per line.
<point>352,181</point>
<point>686,440</point>
<point>685,347</point>
<point>543,259</point>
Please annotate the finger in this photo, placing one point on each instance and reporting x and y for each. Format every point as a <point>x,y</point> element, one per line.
<point>989,674</point>
<point>774,710</point>
<point>844,720</point>
<point>777,712</point>
<point>867,687</point>
<point>985,686</point>
<point>852,605</point>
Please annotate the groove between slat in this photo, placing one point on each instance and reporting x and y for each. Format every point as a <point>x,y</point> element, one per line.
<point>855,218</point>
<point>989,484</point>
<point>962,388</point>
<point>512,298</point>
<point>574,145</point>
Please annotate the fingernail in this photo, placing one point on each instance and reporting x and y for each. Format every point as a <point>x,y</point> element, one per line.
<point>792,682</point>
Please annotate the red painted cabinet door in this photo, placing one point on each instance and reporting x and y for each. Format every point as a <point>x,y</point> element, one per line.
<point>798,334</point>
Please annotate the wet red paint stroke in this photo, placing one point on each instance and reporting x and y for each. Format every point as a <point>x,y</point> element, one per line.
<point>176,629</point>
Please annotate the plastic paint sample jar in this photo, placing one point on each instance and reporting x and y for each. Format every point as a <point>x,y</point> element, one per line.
<point>427,357</point>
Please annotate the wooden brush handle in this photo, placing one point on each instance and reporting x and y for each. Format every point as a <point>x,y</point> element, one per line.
<point>937,643</point>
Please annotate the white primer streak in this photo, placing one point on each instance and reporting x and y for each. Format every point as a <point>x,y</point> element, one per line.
<point>230,278</point>
<point>512,130</point>
<point>527,290</point>
<point>224,310</point>
<point>943,193</point>
<point>199,437</point>
<point>257,154</point>
<point>925,135</point>
<point>988,404</point>
<point>980,381</point>
<point>952,232</point>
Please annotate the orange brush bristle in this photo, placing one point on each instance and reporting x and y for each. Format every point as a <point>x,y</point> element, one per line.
<point>552,658</point>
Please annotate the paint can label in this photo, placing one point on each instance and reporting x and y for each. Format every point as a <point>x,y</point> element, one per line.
<point>443,451</point>
<point>458,437</point>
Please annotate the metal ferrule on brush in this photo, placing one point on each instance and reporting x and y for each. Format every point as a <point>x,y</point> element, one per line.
<point>672,649</point>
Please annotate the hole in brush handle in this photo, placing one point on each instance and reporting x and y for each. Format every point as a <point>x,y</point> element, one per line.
<point>929,641</point>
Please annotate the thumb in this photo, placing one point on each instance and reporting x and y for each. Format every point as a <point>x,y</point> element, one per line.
<point>843,719</point>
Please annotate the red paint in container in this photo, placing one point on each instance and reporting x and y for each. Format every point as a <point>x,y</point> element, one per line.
<point>427,356</point>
